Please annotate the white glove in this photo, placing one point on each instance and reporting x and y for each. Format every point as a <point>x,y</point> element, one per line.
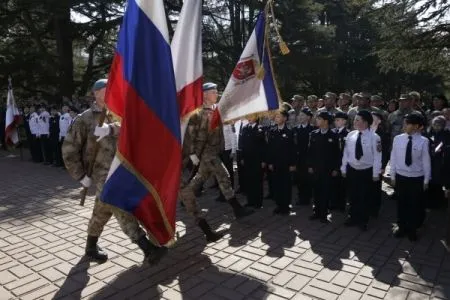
<point>86,181</point>
<point>101,132</point>
<point>194,159</point>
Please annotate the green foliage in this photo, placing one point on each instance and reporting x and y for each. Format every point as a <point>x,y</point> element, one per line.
<point>58,47</point>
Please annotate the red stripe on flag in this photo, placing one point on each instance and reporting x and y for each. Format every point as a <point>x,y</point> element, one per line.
<point>155,153</point>
<point>9,132</point>
<point>190,97</point>
<point>116,88</point>
<point>152,220</point>
<point>216,119</point>
<point>150,147</point>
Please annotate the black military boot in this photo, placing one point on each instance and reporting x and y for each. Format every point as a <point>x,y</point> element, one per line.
<point>221,197</point>
<point>153,254</point>
<point>93,251</point>
<point>211,236</point>
<point>239,211</point>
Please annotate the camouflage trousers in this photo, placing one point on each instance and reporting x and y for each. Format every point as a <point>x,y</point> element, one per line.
<point>103,212</point>
<point>207,168</point>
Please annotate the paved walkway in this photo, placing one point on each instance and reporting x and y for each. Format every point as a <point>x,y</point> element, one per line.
<point>42,238</point>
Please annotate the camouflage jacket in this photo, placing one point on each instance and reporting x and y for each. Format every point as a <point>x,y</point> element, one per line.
<point>78,146</point>
<point>200,139</point>
<point>395,121</point>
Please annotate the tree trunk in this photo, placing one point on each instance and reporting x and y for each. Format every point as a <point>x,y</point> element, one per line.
<point>63,36</point>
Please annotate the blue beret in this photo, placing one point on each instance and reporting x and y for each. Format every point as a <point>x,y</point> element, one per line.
<point>99,84</point>
<point>209,86</point>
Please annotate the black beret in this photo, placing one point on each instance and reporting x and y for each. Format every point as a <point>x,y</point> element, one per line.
<point>366,116</point>
<point>378,114</point>
<point>307,111</point>
<point>415,118</point>
<point>326,116</point>
<point>341,115</point>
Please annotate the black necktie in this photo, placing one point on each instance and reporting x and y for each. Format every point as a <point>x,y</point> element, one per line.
<point>408,156</point>
<point>359,148</point>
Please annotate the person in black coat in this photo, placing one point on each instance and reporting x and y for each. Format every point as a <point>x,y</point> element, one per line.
<point>439,140</point>
<point>323,164</point>
<point>379,127</point>
<point>252,146</point>
<point>339,200</point>
<point>301,136</point>
<point>26,125</point>
<point>281,160</point>
<point>54,137</point>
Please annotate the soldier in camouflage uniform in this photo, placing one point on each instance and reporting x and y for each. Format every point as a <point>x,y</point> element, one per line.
<point>78,151</point>
<point>330,105</point>
<point>363,103</point>
<point>203,147</point>
<point>395,119</point>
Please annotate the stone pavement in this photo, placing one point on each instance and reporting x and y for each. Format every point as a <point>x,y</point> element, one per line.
<point>43,231</point>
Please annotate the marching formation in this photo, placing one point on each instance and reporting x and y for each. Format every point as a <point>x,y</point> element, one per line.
<point>336,155</point>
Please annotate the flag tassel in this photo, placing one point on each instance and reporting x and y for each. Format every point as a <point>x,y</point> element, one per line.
<point>281,43</point>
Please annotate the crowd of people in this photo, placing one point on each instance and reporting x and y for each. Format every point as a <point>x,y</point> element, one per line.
<point>335,150</point>
<point>337,154</point>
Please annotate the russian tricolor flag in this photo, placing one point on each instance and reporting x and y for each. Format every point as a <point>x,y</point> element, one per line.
<point>250,90</point>
<point>187,60</point>
<point>145,174</point>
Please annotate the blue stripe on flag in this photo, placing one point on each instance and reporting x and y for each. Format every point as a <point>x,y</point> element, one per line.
<point>268,82</point>
<point>146,56</point>
<point>123,190</point>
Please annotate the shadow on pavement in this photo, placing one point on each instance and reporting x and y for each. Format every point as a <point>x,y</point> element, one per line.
<point>185,273</point>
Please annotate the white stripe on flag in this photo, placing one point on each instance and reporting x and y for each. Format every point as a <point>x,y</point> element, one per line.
<point>155,11</point>
<point>187,44</point>
<point>244,93</point>
<point>114,165</point>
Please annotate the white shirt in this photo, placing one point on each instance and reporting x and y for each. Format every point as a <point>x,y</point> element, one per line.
<point>33,122</point>
<point>420,166</point>
<point>64,123</point>
<point>230,138</point>
<point>371,145</point>
<point>44,123</point>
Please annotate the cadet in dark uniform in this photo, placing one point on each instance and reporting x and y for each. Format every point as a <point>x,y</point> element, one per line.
<point>439,138</point>
<point>323,164</point>
<point>54,137</point>
<point>269,125</point>
<point>281,160</point>
<point>301,137</point>
<point>361,165</point>
<point>26,125</point>
<point>410,175</point>
<point>252,143</point>
<point>340,188</point>
<point>445,148</point>
<point>379,127</point>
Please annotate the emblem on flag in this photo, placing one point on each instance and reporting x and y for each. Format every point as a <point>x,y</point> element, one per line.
<point>244,70</point>
<point>251,87</point>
